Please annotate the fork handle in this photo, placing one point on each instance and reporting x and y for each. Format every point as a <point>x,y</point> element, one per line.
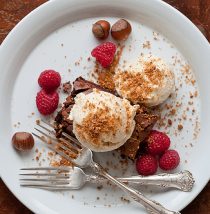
<point>151,206</point>
<point>182,180</point>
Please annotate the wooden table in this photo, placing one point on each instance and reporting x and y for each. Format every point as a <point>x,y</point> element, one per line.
<point>12,11</point>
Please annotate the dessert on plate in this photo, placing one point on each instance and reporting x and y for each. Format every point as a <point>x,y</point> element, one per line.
<point>141,119</point>
<point>116,112</point>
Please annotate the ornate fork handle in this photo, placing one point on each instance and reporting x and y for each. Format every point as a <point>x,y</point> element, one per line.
<point>151,206</point>
<point>182,180</point>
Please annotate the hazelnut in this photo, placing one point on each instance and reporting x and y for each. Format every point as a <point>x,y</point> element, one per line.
<point>101,29</point>
<point>23,141</point>
<point>121,30</point>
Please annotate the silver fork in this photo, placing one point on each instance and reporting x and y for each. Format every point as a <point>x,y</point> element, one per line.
<point>77,178</point>
<point>81,156</point>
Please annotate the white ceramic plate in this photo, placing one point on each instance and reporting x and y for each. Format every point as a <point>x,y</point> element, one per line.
<point>55,36</point>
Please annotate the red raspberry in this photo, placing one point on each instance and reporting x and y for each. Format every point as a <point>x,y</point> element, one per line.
<point>104,53</point>
<point>169,160</point>
<point>47,102</point>
<point>49,80</point>
<point>146,165</point>
<point>157,142</point>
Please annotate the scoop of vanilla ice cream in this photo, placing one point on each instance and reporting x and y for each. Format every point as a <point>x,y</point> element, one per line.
<point>148,81</point>
<point>102,121</point>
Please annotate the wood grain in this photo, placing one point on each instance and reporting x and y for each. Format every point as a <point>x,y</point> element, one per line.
<point>12,11</point>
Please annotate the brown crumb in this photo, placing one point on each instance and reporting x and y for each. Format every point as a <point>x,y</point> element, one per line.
<point>124,200</point>
<point>147,45</point>
<point>61,162</point>
<point>180,127</point>
<point>67,87</point>
<point>169,122</point>
<point>173,112</point>
<point>88,59</point>
<point>37,122</point>
<point>51,153</point>
<point>97,198</point>
<point>99,187</point>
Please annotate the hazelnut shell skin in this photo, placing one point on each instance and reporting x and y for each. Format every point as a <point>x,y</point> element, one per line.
<point>101,29</point>
<point>121,30</point>
<point>23,141</point>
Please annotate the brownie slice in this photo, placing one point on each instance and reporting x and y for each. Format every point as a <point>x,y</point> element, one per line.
<point>82,85</point>
<point>145,118</point>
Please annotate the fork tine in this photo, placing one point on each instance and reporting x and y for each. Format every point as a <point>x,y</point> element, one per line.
<point>63,133</point>
<point>72,139</point>
<point>46,123</point>
<point>48,168</point>
<point>46,135</point>
<point>43,180</point>
<point>43,174</point>
<point>61,153</point>
<point>71,153</point>
<point>42,168</point>
<point>62,139</point>
<point>47,187</point>
<point>45,128</point>
<point>70,145</point>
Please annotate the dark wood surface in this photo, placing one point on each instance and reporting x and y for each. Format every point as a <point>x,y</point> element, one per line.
<point>12,11</point>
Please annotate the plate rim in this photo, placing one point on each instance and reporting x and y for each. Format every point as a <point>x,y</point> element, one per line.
<point>32,15</point>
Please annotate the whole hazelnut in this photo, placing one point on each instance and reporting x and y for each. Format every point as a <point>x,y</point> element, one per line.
<point>23,141</point>
<point>121,30</point>
<point>101,29</point>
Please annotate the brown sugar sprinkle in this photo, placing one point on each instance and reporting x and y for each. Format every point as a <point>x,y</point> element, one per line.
<point>98,123</point>
<point>89,105</point>
<point>180,127</point>
<point>172,112</point>
<point>105,76</point>
<point>37,122</point>
<point>61,162</point>
<point>193,82</point>
<point>195,93</point>
<point>51,154</point>
<point>147,45</point>
<point>140,88</point>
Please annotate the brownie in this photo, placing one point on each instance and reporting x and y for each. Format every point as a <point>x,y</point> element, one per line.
<point>145,118</point>
<point>82,85</point>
